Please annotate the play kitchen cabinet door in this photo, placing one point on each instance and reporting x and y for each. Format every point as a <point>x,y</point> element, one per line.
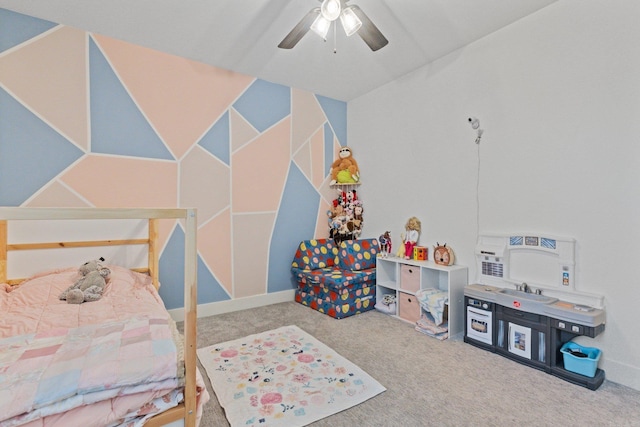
<point>402,278</point>
<point>523,336</point>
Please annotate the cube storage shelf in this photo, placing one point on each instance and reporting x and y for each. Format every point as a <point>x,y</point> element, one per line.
<point>404,277</point>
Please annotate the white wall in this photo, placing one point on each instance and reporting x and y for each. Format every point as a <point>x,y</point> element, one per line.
<point>558,95</point>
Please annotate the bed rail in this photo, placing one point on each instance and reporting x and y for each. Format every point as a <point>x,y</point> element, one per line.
<point>187,409</point>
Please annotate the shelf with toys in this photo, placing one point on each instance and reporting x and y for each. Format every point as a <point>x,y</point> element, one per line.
<point>428,294</point>
<point>408,283</point>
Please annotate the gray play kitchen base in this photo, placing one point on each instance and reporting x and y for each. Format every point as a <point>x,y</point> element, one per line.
<point>530,328</point>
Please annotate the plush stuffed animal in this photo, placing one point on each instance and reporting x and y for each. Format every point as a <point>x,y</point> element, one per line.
<point>345,168</point>
<point>357,215</point>
<point>90,266</point>
<point>90,286</point>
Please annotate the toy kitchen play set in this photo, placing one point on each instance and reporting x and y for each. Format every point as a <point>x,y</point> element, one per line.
<point>525,306</point>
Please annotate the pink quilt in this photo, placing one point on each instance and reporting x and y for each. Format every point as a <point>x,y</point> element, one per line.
<point>108,362</point>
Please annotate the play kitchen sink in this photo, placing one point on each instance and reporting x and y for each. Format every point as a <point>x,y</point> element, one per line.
<point>526,300</point>
<point>531,323</point>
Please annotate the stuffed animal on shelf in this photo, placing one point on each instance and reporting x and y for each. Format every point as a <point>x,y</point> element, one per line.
<point>90,286</point>
<point>443,255</point>
<point>344,169</point>
<point>413,227</point>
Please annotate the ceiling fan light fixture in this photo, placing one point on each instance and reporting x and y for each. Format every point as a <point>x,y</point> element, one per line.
<point>331,9</point>
<point>319,20</point>
<point>350,21</point>
<point>321,26</point>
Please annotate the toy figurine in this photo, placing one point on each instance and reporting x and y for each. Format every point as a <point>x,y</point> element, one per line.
<point>413,228</point>
<point>385,244</point>
<point>443,254</point>
<point>400,253</point>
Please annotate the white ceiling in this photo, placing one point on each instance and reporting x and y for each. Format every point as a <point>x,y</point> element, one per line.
<point>242,35</point>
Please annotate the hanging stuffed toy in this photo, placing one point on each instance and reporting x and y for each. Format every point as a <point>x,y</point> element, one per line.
<point>344,169</point>
<point>345,217</point>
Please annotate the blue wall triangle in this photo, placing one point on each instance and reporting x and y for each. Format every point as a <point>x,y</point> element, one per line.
<point>31,152</point>
<point>117,125</point>
<point>16,28</point>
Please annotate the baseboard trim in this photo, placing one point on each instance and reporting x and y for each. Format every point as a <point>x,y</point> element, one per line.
<point>621,373</point>
<point>236,304</point>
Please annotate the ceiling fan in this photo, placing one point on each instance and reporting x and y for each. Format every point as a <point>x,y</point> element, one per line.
<point>319,20</point>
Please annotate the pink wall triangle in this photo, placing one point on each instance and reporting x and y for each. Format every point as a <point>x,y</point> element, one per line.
<point>55,194</point>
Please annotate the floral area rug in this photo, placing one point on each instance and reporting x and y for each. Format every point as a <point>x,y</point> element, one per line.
<point>283,377</point>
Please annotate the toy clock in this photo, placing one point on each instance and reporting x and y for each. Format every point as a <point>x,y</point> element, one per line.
<point>443,255</point>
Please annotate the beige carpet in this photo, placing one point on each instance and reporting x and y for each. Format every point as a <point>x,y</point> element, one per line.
<point>430,382</point>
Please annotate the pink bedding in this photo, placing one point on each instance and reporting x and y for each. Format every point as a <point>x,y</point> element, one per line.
<point>40,333</point>
<point>34,305</point>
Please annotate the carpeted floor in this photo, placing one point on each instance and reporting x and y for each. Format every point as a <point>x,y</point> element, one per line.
<point>429,382</point>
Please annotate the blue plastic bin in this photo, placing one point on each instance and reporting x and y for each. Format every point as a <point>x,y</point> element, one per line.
<point>586,366</point>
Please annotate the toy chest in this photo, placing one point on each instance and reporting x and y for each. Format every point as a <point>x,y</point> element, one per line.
<point>584,365</point>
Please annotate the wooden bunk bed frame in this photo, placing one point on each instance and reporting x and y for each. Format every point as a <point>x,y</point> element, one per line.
<point>187,409</point>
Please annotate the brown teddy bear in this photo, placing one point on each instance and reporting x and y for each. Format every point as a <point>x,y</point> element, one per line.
<point>345,168</point>
<point>90,286</point>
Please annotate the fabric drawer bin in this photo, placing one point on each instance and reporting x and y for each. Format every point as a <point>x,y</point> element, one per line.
<point>408,307</point>
<point>409,278</point>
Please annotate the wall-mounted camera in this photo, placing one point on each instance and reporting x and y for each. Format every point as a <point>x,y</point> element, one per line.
<point>475,123</point>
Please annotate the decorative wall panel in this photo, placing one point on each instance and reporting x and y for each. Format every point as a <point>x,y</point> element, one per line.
<point>86,120</point>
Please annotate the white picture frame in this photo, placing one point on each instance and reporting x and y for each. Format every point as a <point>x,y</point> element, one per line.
<point>520,340</point>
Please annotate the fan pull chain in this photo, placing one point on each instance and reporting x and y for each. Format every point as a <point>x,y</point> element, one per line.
<point>335,39</point>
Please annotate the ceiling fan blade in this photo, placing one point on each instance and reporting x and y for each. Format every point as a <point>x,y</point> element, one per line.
<point>300,29</point>
<point>369,32</point>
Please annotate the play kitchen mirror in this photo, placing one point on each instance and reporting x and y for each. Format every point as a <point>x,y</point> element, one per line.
<point>525,306</point>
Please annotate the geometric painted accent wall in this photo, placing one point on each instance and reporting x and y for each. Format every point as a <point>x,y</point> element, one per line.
<point>87,120</point>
